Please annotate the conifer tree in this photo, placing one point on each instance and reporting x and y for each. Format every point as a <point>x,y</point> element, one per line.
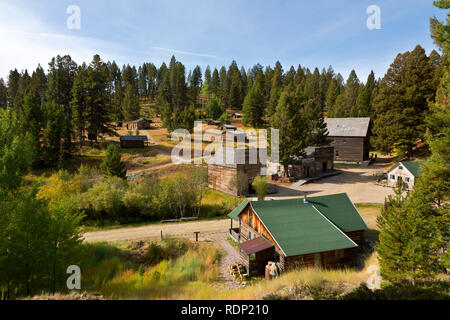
<point>130,105</point>
<point>112,164</point>
<point>401,103</point>
<point>253,110</point>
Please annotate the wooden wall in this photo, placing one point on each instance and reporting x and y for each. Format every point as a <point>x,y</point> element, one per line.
<point>350,148</point>
<point>224,176</point>
<point>330,259</point>
<point>220,178</point>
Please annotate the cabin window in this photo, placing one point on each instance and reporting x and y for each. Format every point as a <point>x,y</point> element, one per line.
<point>392,177</point>
<point>339,254</point>
<point>337,153</point>
<point>406,179</point>
<point>345,140</point>
<point>400,167</point>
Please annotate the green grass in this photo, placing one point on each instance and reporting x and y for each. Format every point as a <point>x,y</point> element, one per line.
<point>233,243</point>
<point>112,271</point>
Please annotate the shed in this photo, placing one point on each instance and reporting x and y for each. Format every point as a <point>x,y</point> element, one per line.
<point>133,141</point>
<point>350,138</point>
<point>227,127</point>
<point>255,254</point>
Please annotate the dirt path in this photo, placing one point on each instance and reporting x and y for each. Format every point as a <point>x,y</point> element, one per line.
<point>181,229</point>
<point>231,256</point>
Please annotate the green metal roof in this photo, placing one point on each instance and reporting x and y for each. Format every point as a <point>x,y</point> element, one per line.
<point>412,166</point>
<point>235,213</point>
<point>316,226</point>
<point>340,210</point>
<point>299,228</point>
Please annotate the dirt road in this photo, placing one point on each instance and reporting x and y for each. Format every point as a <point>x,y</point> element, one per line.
<point>182,229</point>
<point>357,181</point>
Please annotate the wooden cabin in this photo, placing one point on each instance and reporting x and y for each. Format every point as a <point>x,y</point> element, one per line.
<point>226,127</point>
<point>232,170</point>
<point>350,138</point>
<point>316,162</point>
<point>139,124</point>
<point>133,141</point>
<point>405,173</point>
<point>320,232</point>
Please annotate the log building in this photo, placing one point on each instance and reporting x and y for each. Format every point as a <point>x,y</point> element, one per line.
<point>350,138</point>
<point>232,170</point>
<point>320,232</point>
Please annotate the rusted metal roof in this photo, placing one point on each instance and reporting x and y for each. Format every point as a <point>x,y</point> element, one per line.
<point>255,245</point>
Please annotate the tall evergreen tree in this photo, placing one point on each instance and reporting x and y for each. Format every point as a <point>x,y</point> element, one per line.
<point>253,110</point>
<point>112,164</point>
<point>130,105</point>
<point>61,74</point>
<point>401,104</point>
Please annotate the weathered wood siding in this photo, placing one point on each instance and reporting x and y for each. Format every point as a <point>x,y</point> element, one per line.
<point>350,148</point>
<point>221,178</point>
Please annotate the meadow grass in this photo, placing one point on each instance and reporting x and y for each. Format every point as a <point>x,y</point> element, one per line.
<point>109,269</point>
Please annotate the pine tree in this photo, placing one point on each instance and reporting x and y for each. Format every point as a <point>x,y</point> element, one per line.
<point>401,103</point>
<point>112,164</point>
<point>98,121</point>
<point>253,110</point>
<point>61,75</point>
<point>79,104</point>
<point>3,94</point>
<point>290,122</point>
<point>393,238</point>
<point>130,105</point>
<point>214,108</point>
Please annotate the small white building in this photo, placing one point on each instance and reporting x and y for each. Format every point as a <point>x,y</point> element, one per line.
<point>406,172</point>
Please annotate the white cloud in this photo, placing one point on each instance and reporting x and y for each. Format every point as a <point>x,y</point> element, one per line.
<point>28,41</point>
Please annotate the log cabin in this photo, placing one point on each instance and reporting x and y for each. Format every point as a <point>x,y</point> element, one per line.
<point>133,141</point>
<point>350,138</point>
<point>322,232</point>
<point>232,170</point>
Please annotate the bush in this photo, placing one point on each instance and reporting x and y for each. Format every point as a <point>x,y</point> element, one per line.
<point>426,291</point>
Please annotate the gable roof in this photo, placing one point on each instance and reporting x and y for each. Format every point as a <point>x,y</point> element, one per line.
<point>133,138</point>
<point>412,166</point>
<point>347,127</point>
<point>235,213</point>
<point>299,228</point>
<point>315,226</point>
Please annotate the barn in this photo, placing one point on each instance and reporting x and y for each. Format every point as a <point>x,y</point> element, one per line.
<point>405,173</point>
<point>133,141</point>
<point>322,232</point>
<point>350,138</point>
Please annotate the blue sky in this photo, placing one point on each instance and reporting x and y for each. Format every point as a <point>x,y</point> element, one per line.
<point>311,33</point>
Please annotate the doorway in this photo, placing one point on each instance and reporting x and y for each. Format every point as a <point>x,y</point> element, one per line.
<point>324,167</point>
